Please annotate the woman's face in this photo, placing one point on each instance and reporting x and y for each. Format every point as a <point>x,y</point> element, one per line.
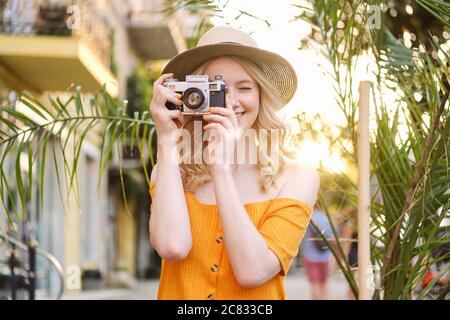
<point>243,91</point>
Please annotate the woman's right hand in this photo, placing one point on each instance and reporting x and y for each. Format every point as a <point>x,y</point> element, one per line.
<point>166,121</point>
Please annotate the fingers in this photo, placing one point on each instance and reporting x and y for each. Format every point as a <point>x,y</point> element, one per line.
<point>215,129</point>
<point>158,86</point>
<point>229,108</point>
<point>214,125</point>
<point>161,79</point>
<point>221,111</point>
<point>164,95</point>
<point>225,112</point>
<point>225,120</point>
<point>219,119</point>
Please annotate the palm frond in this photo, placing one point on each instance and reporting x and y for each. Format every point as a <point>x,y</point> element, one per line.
<point>28,131</point>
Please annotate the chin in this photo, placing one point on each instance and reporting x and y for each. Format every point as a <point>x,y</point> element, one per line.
<point>244,123</point>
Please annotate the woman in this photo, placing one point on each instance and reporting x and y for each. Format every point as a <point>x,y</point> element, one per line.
<point>227,230</point>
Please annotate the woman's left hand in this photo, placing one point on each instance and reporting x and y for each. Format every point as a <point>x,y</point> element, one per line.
<point>223,133</point>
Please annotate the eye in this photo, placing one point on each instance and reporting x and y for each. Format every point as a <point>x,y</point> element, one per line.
<point>246,88</point>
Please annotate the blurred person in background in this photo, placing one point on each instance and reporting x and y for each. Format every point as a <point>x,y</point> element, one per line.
<point>316,254</point>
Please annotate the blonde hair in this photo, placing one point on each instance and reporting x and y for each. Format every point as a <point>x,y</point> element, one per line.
<point>194,174</point>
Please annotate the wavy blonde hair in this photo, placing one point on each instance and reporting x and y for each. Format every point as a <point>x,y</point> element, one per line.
<point>194,175</point>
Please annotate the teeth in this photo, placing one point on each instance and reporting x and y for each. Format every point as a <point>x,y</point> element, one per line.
<point>239,115</point>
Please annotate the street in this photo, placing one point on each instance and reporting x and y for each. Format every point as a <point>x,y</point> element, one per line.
<point>296,284</point>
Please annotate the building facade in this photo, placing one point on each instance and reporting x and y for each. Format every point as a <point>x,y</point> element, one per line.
<point>49,48</point>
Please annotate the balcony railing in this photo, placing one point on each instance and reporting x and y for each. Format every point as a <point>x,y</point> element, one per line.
<point>24,277</point>
<point>79,19</point>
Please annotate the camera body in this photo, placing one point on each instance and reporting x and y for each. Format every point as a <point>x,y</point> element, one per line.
<point>198,93</point>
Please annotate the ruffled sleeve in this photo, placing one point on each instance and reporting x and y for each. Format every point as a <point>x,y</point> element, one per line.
<point>283,228</point>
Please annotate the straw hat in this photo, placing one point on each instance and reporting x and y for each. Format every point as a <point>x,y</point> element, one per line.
<point>223,41</point>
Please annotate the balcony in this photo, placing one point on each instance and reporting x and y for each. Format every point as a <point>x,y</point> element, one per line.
<point>41,51</point>
<point>153,35</point>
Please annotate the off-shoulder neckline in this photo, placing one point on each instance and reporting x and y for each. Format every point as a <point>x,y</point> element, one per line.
<point>249,204</point>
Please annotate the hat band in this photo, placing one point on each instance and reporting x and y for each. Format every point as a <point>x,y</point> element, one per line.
<point>232,42</point>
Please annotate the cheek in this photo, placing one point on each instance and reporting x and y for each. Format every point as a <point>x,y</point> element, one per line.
<point>252,109</point>
<point>252,104</point>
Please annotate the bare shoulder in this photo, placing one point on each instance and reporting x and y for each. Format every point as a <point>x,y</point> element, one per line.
<point>300,182</point>
<point>298,169</point>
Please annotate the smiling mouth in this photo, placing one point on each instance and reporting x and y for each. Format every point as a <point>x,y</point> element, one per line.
<point>239,115</point>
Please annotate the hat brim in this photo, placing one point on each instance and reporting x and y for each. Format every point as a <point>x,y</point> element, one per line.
<point>278,70</point>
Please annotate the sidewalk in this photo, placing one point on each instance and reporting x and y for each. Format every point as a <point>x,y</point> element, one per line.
<point>296,284</point>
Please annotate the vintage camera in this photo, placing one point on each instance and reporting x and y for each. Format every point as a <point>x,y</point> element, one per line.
<point>198,93</point>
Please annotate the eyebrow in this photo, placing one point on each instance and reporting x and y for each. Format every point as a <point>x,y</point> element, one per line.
<point>245,81</point>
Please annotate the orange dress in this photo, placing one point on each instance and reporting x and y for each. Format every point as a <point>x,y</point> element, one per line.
<point>206,272</point>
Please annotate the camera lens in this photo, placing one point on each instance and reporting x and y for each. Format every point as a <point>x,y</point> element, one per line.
<point>193,98</point>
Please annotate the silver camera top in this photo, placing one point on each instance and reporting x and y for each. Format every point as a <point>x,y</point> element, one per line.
<point>197,78</point>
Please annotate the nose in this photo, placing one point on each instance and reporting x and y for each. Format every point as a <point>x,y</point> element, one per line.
<point>233,99</point>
